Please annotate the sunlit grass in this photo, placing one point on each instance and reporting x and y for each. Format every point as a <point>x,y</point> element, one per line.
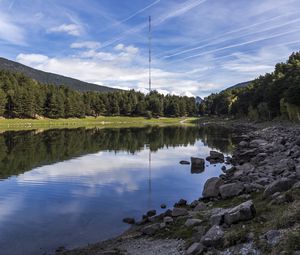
<point>117,121</point>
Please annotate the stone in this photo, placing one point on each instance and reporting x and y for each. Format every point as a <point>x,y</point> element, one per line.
<point>298,141</point>
<point>200,207</point>
<point>211,187</point>
<point>151,213</point>
<point>194,203</point>
<point>280,185</point>
<point>195,248</point>
<point>272,237</point>
<point>163,206</point>
<point>168,212</point>
<point>231,190</point>
<point>151,229</point>
<point>242,212</point>
<point>184,162</point>
<point>179,212</point>
<point>217,218</point>
<point>214,237</point>
<point>168,220</point>
<point>296,185</point>
<point>223,168</point>
<point>216,155</point>
<point>181,202</point>
<point>243,144</point>
<point>257,143</point>
<point>198,165</point>
<point>192,222</point>
<point>298,171</point>
<point>129,220</point>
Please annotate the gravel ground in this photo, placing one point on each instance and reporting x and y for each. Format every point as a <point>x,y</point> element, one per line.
<point>152,246</point>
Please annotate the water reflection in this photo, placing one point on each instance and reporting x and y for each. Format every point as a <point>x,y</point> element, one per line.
<point>74,186</point>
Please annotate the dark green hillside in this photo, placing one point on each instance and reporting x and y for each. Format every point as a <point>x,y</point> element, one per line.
<point>50,78</point>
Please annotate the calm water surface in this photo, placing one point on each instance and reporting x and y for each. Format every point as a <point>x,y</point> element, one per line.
<point>73,187</point>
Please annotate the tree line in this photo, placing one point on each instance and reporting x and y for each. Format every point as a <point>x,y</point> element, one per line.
<point>270,96</point>
<point>23,97</point>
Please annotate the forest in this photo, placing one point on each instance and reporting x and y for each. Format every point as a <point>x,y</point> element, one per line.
<point>273,95</point>
<point>23,97</point>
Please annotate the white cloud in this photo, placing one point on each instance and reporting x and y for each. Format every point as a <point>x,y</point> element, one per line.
<point>10,32</point>
<point>86,44</point>
<point>71,29</point>
<point>32,59</point>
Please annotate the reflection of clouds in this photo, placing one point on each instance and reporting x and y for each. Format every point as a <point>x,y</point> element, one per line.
<point>9,205</point>
<point>123,171</point>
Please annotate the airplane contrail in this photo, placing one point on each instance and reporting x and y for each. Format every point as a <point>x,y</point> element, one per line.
<point>237,45</point>
<point>247,34</point>
<point>178,12</point>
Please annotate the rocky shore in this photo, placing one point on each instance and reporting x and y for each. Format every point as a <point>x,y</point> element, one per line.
<point>252,208</point>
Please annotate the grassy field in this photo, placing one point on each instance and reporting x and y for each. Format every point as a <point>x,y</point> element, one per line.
<point>26,124</point>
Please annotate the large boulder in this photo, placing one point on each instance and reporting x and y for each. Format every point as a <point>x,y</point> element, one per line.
<point>151,229</point>
<point>280,185</point>
<point>214,237</point>
<point>242,212</point>
<point>198,165</point>
<point>179,212</point>
<point>231,190</point>
<point>194,249</point>
<point>211,187</point>
<point>192,222</point>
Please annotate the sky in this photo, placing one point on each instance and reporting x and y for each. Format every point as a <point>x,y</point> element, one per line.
<point>199,46</point>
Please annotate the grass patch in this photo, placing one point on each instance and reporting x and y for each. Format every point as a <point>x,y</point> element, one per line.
<point>117,121</point>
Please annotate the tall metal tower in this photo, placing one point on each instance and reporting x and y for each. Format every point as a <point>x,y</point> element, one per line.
<point>150,52</point>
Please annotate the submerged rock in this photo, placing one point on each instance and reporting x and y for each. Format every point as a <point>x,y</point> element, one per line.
<point>198,165</point>
<point>184,162</point>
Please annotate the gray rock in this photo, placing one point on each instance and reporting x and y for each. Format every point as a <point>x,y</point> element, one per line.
<point>273,237</point>
<point>151,213</point>
<point>151,229</point>
<point>184,162</point>
<point>258,143</point>
<point>298,171</point>
<point>198,165</point>
<point>296,185</point>
<point>216,155</point>
<point>129,220</point>
<point>211,187</point>
<point>200,207</point>
<point>214,237</point>
<point>243,144</point>
<point>242,212</point>
<point>181,202</point>
<point>168,220</point>
<point>163,206</point>
<point>280,185</point>
<point>218,217</point>
<point>194,203</point>
<point>179,212</point>
<point>192,222</point>
<point>231,190</point>
<point>195,248</point>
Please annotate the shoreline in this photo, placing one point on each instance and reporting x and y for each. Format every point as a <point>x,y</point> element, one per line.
<point>253,207</point>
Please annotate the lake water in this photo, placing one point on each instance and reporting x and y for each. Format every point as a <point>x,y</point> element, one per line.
<point>73,187</point>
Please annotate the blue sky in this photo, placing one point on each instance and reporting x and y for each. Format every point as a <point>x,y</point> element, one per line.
<point>199,46</point>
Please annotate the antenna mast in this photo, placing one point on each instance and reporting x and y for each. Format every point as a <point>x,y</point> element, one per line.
<point>150,52</point>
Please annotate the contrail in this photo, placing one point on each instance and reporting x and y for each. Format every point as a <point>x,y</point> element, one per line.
<point>117,23</point>
<point>234,31</point>
<point>237,45</point>
<point>178,12</point>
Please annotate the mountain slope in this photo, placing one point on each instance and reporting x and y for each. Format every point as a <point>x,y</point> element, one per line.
<point>51,78</point>
<point>239,85</point>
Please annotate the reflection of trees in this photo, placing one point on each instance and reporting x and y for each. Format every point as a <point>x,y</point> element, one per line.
<point>22,151</point>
